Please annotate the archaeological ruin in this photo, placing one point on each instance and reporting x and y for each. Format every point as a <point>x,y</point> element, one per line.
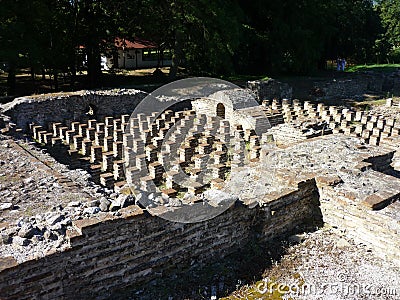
<point>100,199</point>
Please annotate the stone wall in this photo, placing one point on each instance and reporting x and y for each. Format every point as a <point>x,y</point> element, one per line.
<point>348,88</point>
<point>113,256</point>
<point>245,117</point>
<point>45,109</point>
<point>378,229</point>
<point>358,85</point>
<point>270,89</point>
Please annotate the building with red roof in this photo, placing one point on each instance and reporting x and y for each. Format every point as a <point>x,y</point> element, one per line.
<point>135,54</point>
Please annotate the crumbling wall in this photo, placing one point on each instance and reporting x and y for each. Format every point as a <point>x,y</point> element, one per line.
<point>348,88</point>
<point>77,106</point>
<point>360,84</point>
<point>111,257</point>
<point>270,89</point>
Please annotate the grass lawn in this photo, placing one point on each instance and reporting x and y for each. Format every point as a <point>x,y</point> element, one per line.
<point>379,68</point>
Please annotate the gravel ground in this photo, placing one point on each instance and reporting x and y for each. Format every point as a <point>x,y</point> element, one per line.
<point>326,265</point>
<point>318,265</point>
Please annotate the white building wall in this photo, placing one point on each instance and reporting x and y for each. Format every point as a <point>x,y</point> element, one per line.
<point>127,60</point>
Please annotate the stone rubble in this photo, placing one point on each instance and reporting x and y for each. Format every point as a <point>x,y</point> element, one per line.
<point>36,209</point>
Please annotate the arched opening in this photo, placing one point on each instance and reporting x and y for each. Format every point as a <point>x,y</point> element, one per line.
<point>221,110</point>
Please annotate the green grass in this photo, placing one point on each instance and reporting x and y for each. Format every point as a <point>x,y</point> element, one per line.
<point>376,67</point>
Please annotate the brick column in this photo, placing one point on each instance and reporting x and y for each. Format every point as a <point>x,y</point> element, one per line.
<point>119,170</point>
<point>86,145</point>
<point>96,154</point>
<point>107,180</point>
<point>77,140</point>
<point>99,138</point>
<point>108,144</point>
<point>82,129</point>
<point>118,135</point>
<point>118,149</point>
<point>55,128</point>
<point>107,162</point>
<point>156,171</point>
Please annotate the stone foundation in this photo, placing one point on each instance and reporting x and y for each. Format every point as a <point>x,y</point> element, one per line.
<point>111,257</point>
<point>305,150</point>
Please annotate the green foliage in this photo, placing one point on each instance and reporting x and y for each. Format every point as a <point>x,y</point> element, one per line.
<point>394,54</point>
<point>298,36</point>
<point>388,44</point>
<point>218,37</point>
<point>375,67</point>
<point>390,14</point>
<point>203,34</point>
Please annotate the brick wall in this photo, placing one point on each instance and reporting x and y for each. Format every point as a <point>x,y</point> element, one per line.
<point>113,256</point>
<point>377,229</point>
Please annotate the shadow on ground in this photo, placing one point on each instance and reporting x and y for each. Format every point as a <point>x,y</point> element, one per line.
<point>221,278</point>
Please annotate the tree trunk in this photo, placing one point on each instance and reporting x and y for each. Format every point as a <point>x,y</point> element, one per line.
<point>73,77</point>
<point>56,80</point>
<point>158,57</point>
<point>94,65</point>
<point>11,79</point>
<point>177,55</point>
<point>322,64</point>
<point>33,79</point>
<point>33,74</point>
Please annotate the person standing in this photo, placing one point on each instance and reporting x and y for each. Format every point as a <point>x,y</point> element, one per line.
<point>344,62</point>
<point>338,64</point>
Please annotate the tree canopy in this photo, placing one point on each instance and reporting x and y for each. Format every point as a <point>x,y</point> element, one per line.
<point>206,37</point>
<point>389,41</point>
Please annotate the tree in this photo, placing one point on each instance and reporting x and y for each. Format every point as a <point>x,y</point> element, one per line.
<point>36,34</point>
<point>202,34</point>
<point>389,41</point>
<point>298,36</point>
<point>206,37</point>
<point>358,26</point>
<point>92,30</point>
<point>16,39</point>
<point>285,36</point>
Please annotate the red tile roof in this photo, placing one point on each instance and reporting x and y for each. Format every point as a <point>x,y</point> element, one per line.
<point>124,43</point>
<point>136,44</point>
